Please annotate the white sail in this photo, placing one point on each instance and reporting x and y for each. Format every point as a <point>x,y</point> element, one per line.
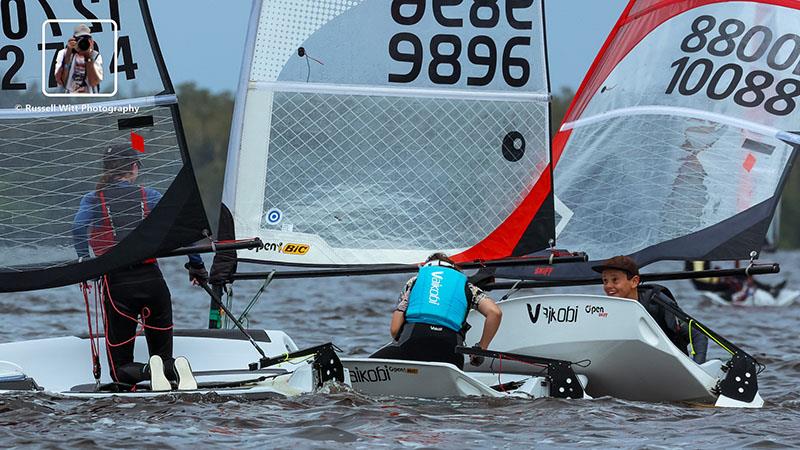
<point>376,132</point>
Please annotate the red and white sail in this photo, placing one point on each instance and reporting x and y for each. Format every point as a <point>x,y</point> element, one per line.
<point>679,140</point>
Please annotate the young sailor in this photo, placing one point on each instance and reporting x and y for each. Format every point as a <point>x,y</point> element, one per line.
<point>621,279</point>
<point>429,321</point>
<point>105,216</point>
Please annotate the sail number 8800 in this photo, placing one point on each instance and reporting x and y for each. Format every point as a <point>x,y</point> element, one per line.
<point>446,49</point>
<point>749,88</point>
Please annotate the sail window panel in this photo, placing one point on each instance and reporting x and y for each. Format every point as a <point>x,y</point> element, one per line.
<point>48,163</point>
<point>284,25</point>
<point>635,181</point>
<point>373,172</point>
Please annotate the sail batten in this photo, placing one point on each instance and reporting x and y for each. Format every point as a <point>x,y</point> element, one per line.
<point>75,109</point>
<point>754,127</point>
<point>387,91</point>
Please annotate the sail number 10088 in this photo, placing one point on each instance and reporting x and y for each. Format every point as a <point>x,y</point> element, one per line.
<point>752,46</point>
<point>446,49</point>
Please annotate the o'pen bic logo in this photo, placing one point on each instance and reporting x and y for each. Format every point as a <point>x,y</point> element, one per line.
<point>274,216</point>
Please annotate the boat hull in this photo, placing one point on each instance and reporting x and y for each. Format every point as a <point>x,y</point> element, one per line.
<point>628,355</point>
<point>421,379</point>
<point>219,359</point>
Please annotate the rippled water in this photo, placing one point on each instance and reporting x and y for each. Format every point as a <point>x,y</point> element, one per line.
<point>354,313</point>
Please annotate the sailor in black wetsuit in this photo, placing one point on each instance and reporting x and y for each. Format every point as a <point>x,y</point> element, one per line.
<point>430,318</point>
<point>730,288</point>
<point>106,215</point>
<point>621,279</point>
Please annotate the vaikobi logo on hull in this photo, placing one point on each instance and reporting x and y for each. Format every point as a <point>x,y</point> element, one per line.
<point>568,314</point>
<point>369,375</point>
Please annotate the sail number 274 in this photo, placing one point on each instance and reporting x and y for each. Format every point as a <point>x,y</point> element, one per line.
<point>446,49</point>
<point>756,88</point>
<point>15,27</point>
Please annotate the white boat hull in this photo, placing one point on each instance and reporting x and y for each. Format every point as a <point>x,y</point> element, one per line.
<point>419,379</point>
<point>629,356</point>
<point>219,358</point>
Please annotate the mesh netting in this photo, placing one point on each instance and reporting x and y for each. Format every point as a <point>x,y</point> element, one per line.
<point>636,181</point>
<point>48,164</point>
<point>371,172</point>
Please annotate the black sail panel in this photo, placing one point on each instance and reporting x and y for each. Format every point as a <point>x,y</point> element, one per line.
<point>52,146</point>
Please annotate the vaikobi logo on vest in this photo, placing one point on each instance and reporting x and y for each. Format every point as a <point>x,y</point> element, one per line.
<point>436,283</point>
<point>568,314</point>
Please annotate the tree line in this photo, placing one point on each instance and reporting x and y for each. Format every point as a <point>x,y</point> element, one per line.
<point>207,119</point>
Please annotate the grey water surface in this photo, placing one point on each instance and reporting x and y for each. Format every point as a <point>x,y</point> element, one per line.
<point>354,314</point>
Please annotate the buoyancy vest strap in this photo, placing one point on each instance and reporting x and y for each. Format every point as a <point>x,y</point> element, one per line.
<point>105,213</point>
<point>109,222</point>
<point>145,213</point>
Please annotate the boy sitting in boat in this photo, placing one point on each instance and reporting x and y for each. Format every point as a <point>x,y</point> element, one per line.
<point>429,321</point>
<point>621,279</point>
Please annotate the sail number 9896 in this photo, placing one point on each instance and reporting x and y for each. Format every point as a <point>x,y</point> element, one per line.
<point>446,49</point>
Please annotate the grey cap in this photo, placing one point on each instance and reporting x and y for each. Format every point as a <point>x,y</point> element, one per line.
<point>82,30</point>
<point>120,156</point>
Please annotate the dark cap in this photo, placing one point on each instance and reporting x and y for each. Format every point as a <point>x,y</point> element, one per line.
<point>623,263</point>
<point>120,156</point>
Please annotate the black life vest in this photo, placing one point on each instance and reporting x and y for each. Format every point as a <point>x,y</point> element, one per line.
<point>122,208</point>
<point>665,319</point>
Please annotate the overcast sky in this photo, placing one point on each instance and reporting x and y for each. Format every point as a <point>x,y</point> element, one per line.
<point>193,30</point>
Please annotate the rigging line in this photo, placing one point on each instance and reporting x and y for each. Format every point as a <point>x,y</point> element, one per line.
<point>511,291</point>
<point>683,112</point>
<point>236,322</point>
<point>252,303</point>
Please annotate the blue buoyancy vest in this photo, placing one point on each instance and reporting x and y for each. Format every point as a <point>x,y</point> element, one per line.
<point>438,297</point>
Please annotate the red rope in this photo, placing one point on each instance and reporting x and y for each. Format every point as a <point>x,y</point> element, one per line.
<point>85,289</point>
<point>145,313</point>
<point>500,372</point>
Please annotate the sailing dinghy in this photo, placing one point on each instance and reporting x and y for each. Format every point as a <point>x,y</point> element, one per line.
<point>676,147</point>
<point>50,151</point>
